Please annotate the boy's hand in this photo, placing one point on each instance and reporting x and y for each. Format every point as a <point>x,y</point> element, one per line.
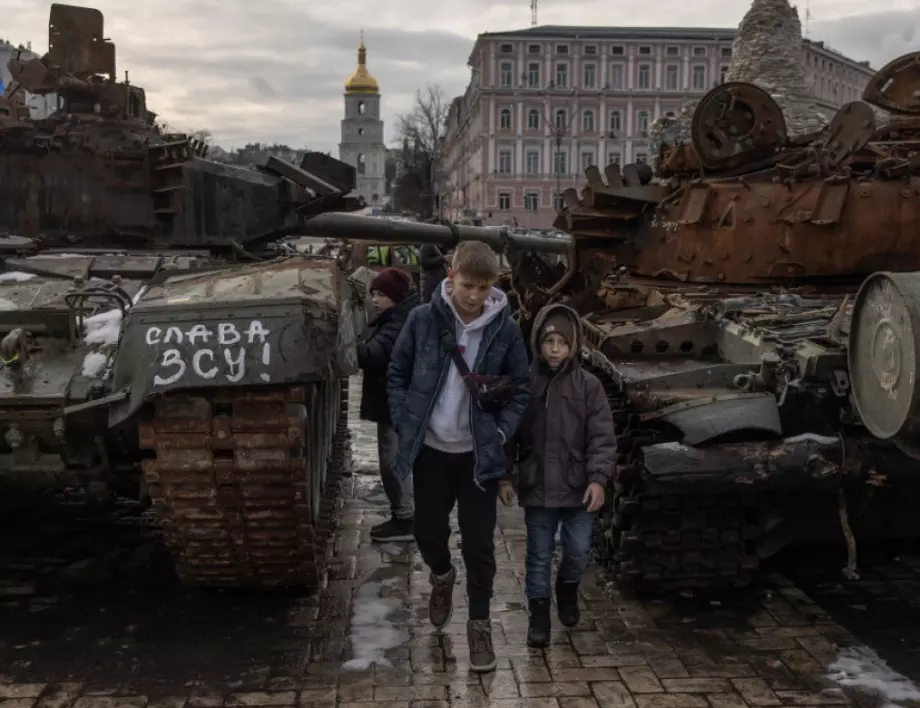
<point>594,497</point>
<point>505,492</point>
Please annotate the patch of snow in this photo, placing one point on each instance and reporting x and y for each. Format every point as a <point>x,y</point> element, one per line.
<point>372,634</point>
<point>94,364</point>
<point>861,667</point>
<point>103,328</point>
<point>15,277</point>
<point>7,304</point>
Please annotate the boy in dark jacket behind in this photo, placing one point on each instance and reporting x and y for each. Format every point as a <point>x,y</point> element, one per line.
<point>563,466</point>
<point>449,445</point>
<point>392,301</point>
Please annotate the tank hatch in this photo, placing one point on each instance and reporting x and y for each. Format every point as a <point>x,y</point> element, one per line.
<point>896,86</point>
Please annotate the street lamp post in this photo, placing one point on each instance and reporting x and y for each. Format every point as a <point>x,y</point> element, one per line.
<point>559,129</point>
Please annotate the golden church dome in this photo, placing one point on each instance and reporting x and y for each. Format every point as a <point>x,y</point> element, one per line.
<point>361,80</point>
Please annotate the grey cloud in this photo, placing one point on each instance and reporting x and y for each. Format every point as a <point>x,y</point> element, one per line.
<point>275,71</point>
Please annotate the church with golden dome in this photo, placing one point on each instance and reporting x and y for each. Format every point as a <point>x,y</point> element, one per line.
<point>362,144</point>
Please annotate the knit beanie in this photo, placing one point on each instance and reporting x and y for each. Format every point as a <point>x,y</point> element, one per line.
<point>561,324</point>
<point>393,283</point>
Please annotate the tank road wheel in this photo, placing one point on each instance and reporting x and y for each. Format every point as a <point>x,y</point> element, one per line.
<point>245,484</point>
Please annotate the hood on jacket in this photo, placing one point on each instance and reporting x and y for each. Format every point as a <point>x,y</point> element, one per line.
<point>540,320</point>
<point>493,306</point>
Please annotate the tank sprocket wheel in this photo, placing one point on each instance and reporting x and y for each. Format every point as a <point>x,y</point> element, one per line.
<point>245,483</point>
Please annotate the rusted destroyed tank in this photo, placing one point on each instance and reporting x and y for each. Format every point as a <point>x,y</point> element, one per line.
<point>99,172</point>
<point>754,310</point>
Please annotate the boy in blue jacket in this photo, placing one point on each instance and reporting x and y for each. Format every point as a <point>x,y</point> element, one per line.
<point>452,423</point>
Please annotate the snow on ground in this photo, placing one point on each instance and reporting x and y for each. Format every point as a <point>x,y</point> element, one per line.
<point>15,277</point>
<point>862,668</point>
<point>93,364</point>
<point>372,634</point>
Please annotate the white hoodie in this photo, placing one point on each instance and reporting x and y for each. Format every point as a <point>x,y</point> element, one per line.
<point>449,425</point>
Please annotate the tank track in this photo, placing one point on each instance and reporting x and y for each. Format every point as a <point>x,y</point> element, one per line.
<point>246,483</point>
<point>665,541</point>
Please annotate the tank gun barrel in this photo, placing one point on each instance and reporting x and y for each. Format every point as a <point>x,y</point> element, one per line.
<point>370,228</point>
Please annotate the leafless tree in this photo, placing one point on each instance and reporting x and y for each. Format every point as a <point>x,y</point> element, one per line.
<point>422,130</point>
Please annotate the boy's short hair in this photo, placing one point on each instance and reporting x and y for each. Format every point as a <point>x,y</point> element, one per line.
<point>475,260</point>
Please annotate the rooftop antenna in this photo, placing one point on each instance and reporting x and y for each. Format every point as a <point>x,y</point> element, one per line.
<point>533,13</point>
<point>807,15</point>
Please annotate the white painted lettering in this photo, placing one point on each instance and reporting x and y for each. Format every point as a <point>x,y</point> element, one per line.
<point>239,364</point>
<point>196,364</point>
<point>171,357</point>
<point>256,330</point>
<point>199,331</point>
<point>153,335</point>
<point>173,332</point>
<point>227,334</point>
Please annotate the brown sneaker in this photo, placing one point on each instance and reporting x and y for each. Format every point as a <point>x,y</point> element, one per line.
<point>441,603</point>
<point>482,655</point>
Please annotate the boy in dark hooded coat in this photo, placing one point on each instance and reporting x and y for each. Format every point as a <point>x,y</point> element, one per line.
<point>563,466</point>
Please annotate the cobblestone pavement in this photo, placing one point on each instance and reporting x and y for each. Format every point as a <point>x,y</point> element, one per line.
<point>90,617</point>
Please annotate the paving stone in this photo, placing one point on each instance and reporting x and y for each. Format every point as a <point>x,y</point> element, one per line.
<point>755,691</point>
<point>640,679</point>
<point>613,694</point>
<point>21,690</point>
<point>695,685</point>
<point>557,688</point>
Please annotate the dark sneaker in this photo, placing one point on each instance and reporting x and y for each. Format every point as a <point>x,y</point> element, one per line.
<point>482,655</point>
<point>393,530</point>
<point>539,627</point>
<point>441,604</point>
<point>567,602</point>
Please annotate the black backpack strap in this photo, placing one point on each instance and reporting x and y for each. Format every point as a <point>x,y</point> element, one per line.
<point>449,342</point>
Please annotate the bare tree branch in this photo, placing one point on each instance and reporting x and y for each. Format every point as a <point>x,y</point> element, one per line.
<point>421,131</point>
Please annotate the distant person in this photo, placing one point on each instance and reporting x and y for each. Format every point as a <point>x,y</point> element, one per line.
<point>567,453</point>
<point>452,427</point>
<point>392,299</point>
<point>433,261</point>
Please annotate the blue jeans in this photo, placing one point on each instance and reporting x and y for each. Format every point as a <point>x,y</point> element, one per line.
<point>399,491</point>
<point>576,536</point>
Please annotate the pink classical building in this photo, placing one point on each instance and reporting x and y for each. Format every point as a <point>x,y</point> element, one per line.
<point>547,102</point>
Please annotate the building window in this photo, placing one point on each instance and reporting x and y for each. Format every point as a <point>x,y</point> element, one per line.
<point>641,157</point>
<point>362,108</point>
<point>533,162</point>
<point>699,78</point>
<point>616,76</point>
<point>699,51</point>
<point>533,75</point>
<point>559,163</point>
<point>587,121</point>
<point>533,49</point>
<point>587,159</point>
<point>504,162</point>
<point>504,201</point>
<point>590,76</point>
<point>562,49</point>
<point>645,51</point>
<point>616,121</point>
<point>645,76</point>
<point>670,77</point>
<point>362,164</point>
<point>723,73</point>
<point>504,119</point>
<point>614,157</point>
<point>562,75</point>
<point>507,49</point>
<point>506,74</point>
<point>561,120</point>
<point>533,119</point>
<point>560,202</point>
<point>726,52</point>
<point>531,201</point>
<point>672,51</point>
<point>642,122</point>
<point>360,131</point>
<point>617,50</point>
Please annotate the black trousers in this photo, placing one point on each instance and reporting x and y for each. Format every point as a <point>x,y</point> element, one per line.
<point>440,480</point>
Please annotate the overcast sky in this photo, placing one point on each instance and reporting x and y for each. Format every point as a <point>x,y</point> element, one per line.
<point>274,70</point>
